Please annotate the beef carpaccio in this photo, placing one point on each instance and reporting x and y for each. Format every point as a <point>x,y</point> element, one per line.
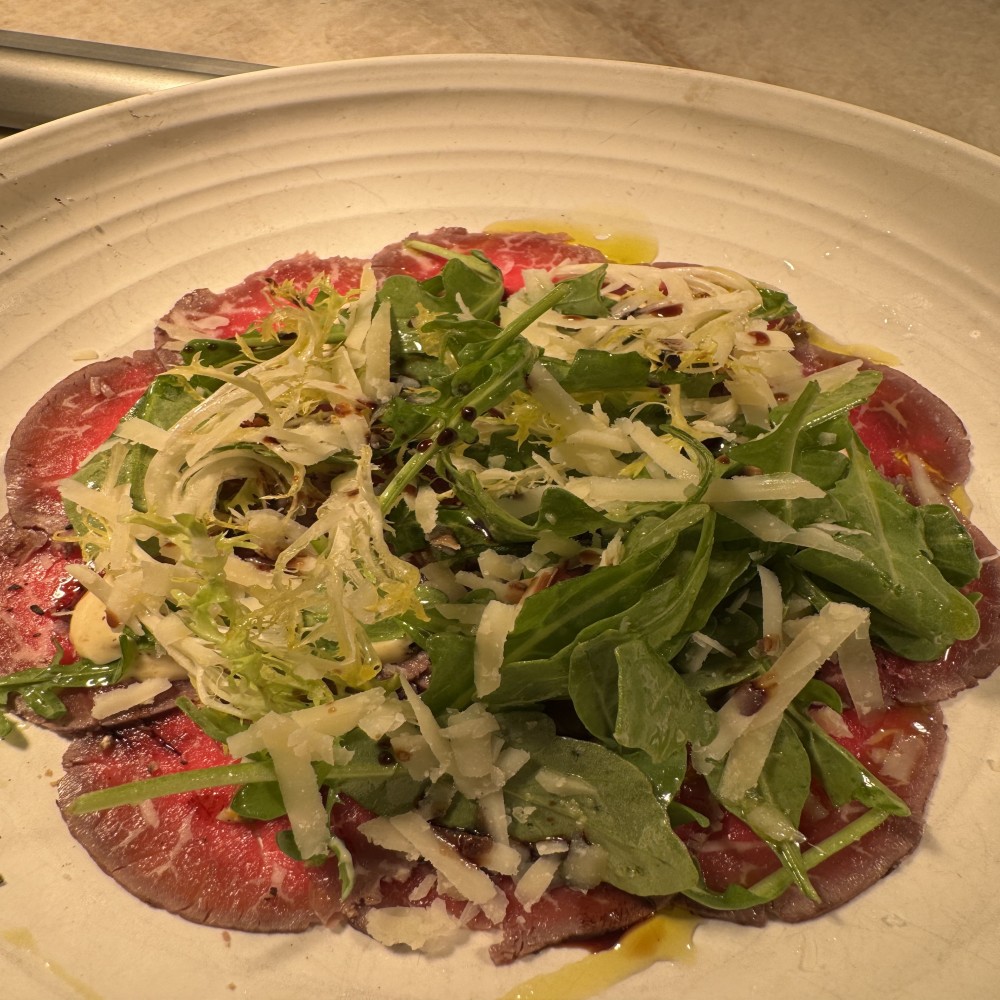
<point>491,585</point>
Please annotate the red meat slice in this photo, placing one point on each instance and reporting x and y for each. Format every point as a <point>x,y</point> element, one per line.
<point>185,852</point>
<point>511,252</point>
<point>561,915</point>
<point>903,746</point>
<point>34,585</point>
<point>222,315</point>
<point>37,592</point>
<point>65,426</point>
<point>902,417</point>
<point>566,915</point>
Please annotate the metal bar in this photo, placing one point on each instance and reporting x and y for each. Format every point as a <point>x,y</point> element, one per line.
<point>43,78</point>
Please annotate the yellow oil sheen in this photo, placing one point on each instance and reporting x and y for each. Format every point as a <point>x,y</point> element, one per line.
<point>663,938</point>
<point>620,243</point>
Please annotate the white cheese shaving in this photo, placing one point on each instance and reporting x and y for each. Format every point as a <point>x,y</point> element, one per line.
<point>494,627</point>
<point>586,865</point>
<point>115,700</point>
<point>567,414</point>
<point>430,929</point>
<point>141,431</point>
<point>773,610</point>
<point>860,669</point>
<point>665,451</point>
<point>819,638</point>
<point>297,780</point>
<point>465,878</point>
<point>537,878</point>
<point>425,509</point>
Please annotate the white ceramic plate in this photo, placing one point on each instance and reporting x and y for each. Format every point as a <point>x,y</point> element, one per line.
<point>883,233</point>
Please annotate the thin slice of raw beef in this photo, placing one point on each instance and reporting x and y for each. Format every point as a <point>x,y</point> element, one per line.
<point>221,315</point>
<point>511,252</point>
<point>35,589</point>
<point>901,418</point>
<point>65,426</point>
<point>902,746</point>
<point>562,914</point>
<point>188,853</point>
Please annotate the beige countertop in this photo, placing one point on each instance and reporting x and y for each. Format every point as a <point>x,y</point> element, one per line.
<point>922,61</point>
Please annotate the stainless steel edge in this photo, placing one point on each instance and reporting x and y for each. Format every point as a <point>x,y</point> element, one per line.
<point>43,78</point>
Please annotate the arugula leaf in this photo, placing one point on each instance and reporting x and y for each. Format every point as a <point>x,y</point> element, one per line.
<point>7,727</point>
<point>39,686</point>
<point>452,651</point>
<point>551,620</point>
<point>599,372</point>
<point>844,777</point>
<point>262,802</point>
<point>373,778</point>
<point>607,800</point>
<point>657,711</point>
<point>951,546</point>
<point>219,725</point>
<point>592,685</point>
<point>775,304</point>
<point>893,573</point>
<point>585,298</point>
<point>736,897</point>
<point>468,284</point>
<point>475,387</point>
<point>776,801</point>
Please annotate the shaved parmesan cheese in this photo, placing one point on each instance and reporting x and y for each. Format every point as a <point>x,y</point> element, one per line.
<point>423,887</point>
<point>333,719</point>
<point>425,509</point>
<point>140,431</point>
<point>819,638</point>
<point>392,650</point>
<point>466,879</point>
<point>502,567</point>
<point>494,627</point>
<point>753,395</point>
<point>776,486</point>
<point>860,669</point>
<point>501,858</point>
<point>604,492</point>
<point>115,700</point>
<point>440,576</point>
<point>586,865</point>
<point>551,846</point>
<point>429,729</point>
<point>383,834</point>
<point>773,614</point>
<point>665,451</point>
<point>706,641</point>
<point>298,783</point>
<point>430,929</point>
<point>146,666</point>
<point>924,486</point>
<point>903,757</point>
<point>567,414</point>
<point>531,886</point>
<point>746,760</point>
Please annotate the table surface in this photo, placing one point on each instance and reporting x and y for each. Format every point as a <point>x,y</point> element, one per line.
<point>926,62</point>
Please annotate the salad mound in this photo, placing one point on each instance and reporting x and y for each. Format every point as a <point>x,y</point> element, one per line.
<point>478,592</point>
